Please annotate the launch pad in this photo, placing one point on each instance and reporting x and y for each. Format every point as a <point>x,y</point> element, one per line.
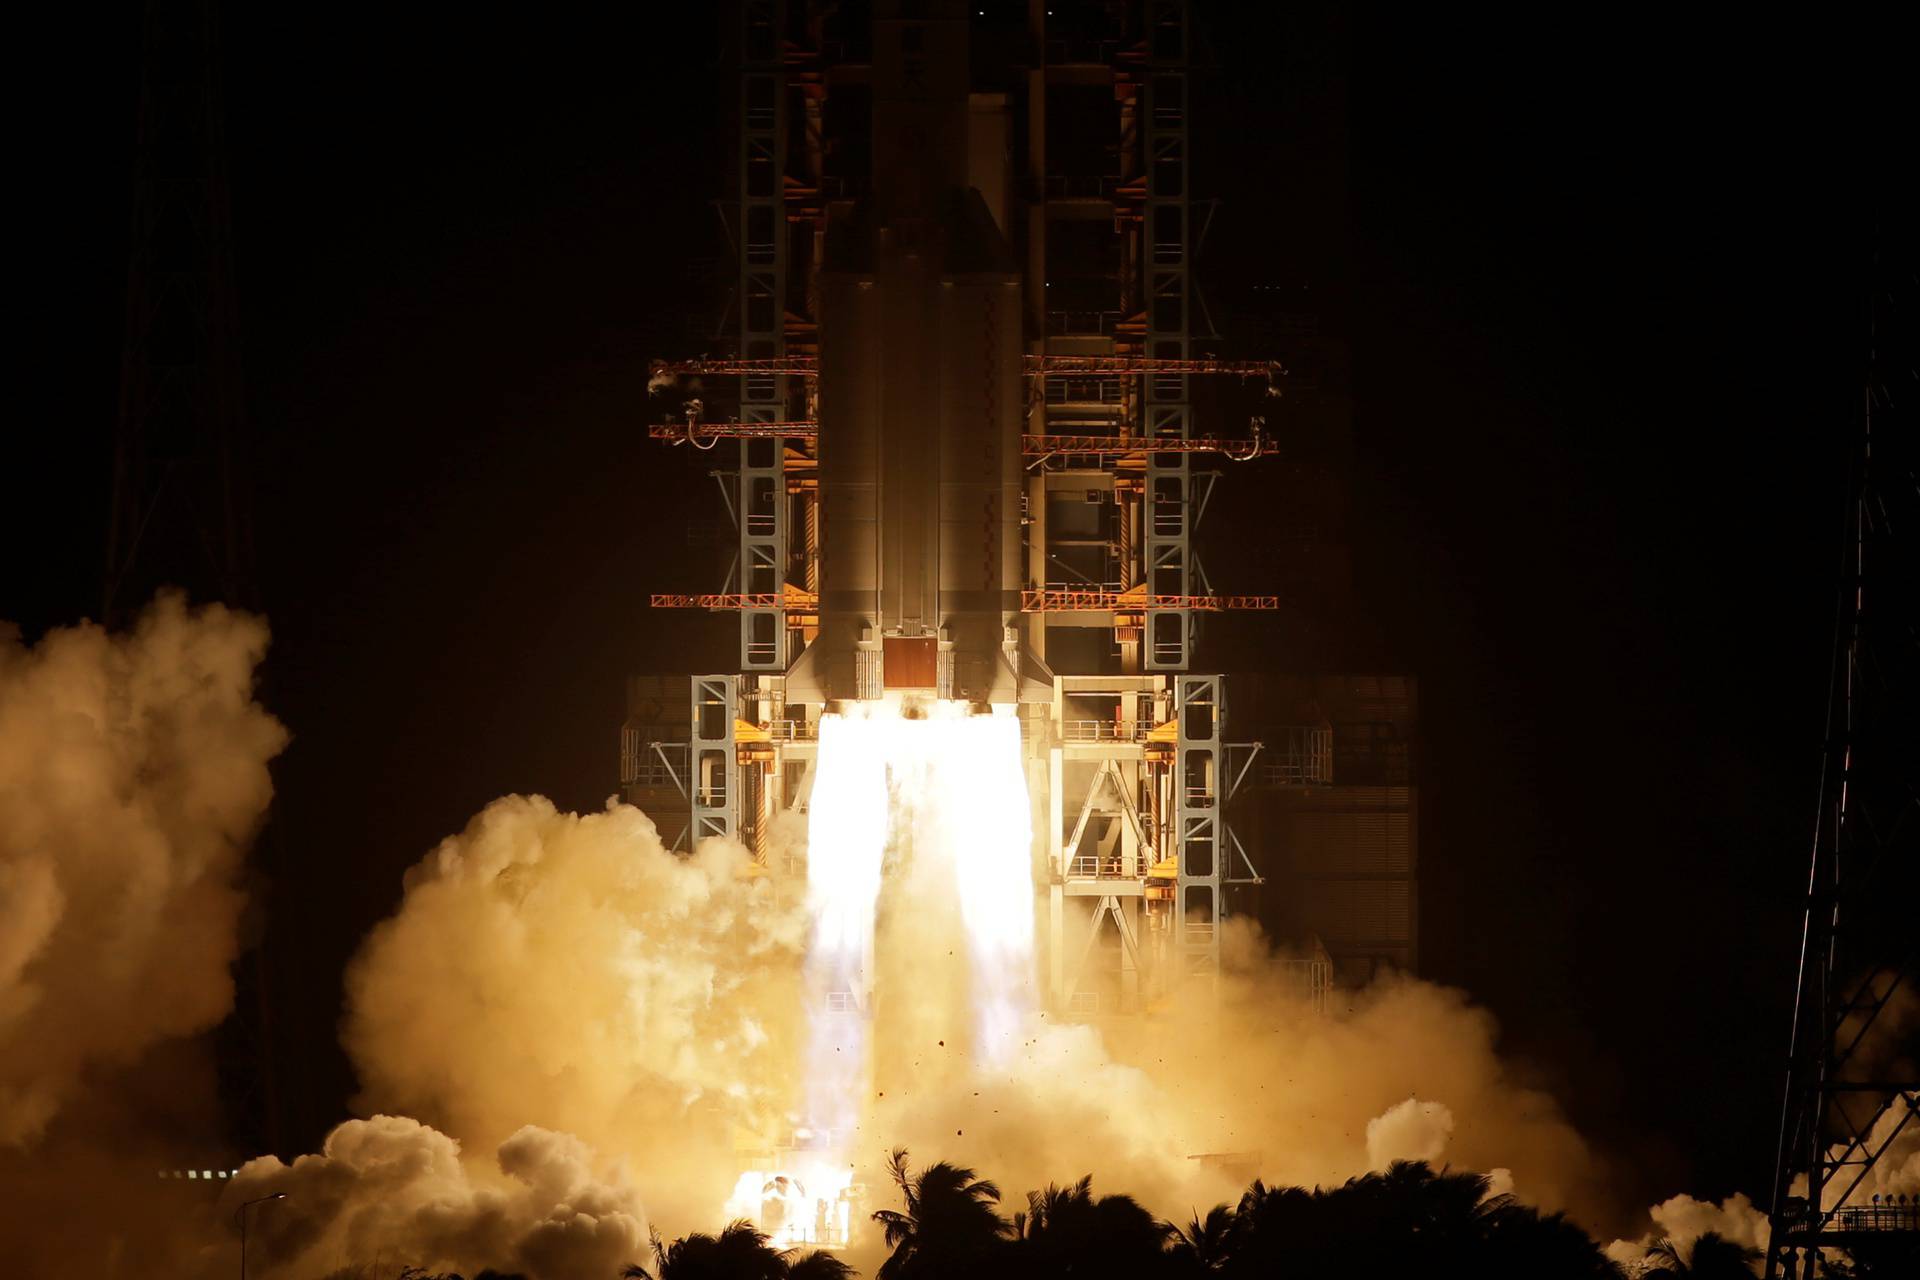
<point>968,420</point>
<point>949,481</point>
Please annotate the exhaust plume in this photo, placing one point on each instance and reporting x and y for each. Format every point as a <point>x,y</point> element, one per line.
<point>393,1189</point>
<point>133,774</point>
<point>567,971</point>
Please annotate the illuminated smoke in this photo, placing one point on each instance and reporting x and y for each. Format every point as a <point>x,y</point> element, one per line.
<point>1411,1130</point>
<point>1683,1220</point>
<point>133,773</point>
<point>568,971</point>
<point>392,1188</point>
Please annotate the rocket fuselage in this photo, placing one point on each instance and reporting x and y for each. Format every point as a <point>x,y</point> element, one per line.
<point>921,395</point>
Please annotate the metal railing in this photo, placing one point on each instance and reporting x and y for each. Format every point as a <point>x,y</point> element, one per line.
<point>1103,731</point>
<point>1310,976</point>
<point>1090,389</point>
<point>791,730</point>
<point>648,762</point>
<point>1066,324</point>
<point>1303,757</point>
<point>1095,866</point>
<point>1885,1216</point>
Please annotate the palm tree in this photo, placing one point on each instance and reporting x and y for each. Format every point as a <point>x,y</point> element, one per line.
<point>1069,1231</point>
<point>1521,1243</point>
<point>1205,1245</point>
<point>738,1253</point>
<point>817,1265</point>
<point>950,1224</point>
<point>1713,1257</point>
<point>1406,1221</point>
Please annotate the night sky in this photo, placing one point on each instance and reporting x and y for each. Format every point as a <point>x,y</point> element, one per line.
<point>1600,275</point>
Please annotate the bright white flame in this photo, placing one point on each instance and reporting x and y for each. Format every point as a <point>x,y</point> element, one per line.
<point>846,840</point>
<point>806,1202</point>
<point>975,804</point>
<point>948,785</point>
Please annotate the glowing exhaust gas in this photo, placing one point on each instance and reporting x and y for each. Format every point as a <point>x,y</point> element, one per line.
<point>944,789</point>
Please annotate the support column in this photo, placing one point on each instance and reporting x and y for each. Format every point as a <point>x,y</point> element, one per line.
<point>714,784</point>
<point>1166,410</point>
<point>762,305</point>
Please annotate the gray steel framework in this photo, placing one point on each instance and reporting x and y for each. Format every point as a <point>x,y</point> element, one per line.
<point>1167,546</point>
<point>761,506</point>
<point>713,766</point>
<point>1852,1090</point>
<point>1199,823</point>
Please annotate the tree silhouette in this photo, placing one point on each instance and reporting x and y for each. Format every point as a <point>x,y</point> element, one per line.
<point>1408,1222</point>
<point>740,1252</point>
<point>1713,1257</point>
<point>950,1226</point>
<point>1204,1246</point>
<point>817,1265</point>
<point>1067,1231</point>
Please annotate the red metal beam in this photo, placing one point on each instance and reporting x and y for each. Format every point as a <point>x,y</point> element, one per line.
<point>1031,445</point>
<point>1041,446</point>
<point>678,433</point>
<point>1068,366</point>
<point>1054,601</point>
<point>1035,366</point>
<point>789,366</point>
<point>798,601</point>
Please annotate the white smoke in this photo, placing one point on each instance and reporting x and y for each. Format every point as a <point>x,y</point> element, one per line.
<point>566,971</point>
<point>393,1189</point>
<point>569,971</point>
<point>1410,1130</point>
<point>1683,1220</point>
<point>133,773</point>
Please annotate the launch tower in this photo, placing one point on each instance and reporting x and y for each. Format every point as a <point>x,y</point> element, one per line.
<point>966,427</point>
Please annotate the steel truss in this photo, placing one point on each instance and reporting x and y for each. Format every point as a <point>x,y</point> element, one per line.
<point>1066,601</point>
<point>761,506</point>
<point>736,600</point>
<point>1034,446</point>
<point>1852,1089</point>
<point>1034,366</point>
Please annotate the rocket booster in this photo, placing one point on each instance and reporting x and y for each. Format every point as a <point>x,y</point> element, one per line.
<point>921,394</point>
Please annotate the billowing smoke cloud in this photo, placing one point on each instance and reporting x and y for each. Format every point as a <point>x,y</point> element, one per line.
<point>1683,1220</point>
<point>1183,1109</point>
<point>393,1189</point>
<point>568,971</point>
<point>133,773</point>
<point>1412,1130</point>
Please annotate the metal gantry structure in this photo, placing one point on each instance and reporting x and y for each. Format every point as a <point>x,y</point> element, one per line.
<point>760,505</point>
<point>1851,1109</point>
<point>1128,749</point>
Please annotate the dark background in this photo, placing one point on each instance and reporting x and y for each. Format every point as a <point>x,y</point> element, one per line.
<point>1600,274</point>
